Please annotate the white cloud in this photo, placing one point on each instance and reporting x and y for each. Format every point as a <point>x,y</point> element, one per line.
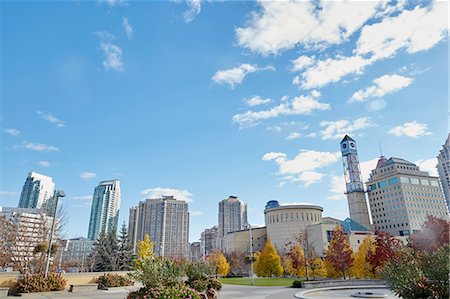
<point>114,3</point>
<point>113,56</point>
<point>127,27</point>
<point>410,129</point>
<point>281,25</point>
<point>367,167</point>
<point>383,85</point>
<point>338,129</point>
<point>304,167</point>
<point>236,75</point>
<point>294,135</point>
<point>194,8</point>
<point>428,165</point>
<point>276,129</point>
<point>195,213</point>
<point>337,188</point>
<point>158,192</point>
<point>8,194</point>
<point>301,105</point>
<point>44,163</point>
<point>301,62</point>
<point>83,197</point>
<point>416,30</point>
<point>52,119</point>
<point>112,52</point>
<point>12,132</point>
<point>40,147</point>
<point>87,175</point>
<point>330,70</point>
<point>257,101</point>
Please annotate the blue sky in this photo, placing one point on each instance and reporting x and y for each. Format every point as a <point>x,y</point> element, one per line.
<point>209,99</point>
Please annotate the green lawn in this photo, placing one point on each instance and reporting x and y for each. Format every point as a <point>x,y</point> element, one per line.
<point>259,281</point>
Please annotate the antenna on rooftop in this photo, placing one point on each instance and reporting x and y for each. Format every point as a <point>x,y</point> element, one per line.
<point>379,145</point>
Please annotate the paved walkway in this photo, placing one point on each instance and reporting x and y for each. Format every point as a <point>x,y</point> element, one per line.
<point>228,292</point>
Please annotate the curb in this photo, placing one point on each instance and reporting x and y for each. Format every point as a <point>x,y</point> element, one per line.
<point>301,295</point>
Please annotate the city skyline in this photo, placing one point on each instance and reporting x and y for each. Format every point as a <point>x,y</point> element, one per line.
<point>203,102</point>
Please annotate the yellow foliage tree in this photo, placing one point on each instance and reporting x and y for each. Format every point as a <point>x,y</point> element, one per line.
<point>269,262</point>
<point>330,271</point>
<point>361,268</point>
<point>317,268</point>
<point>145,250</point>
<point>219,262</point>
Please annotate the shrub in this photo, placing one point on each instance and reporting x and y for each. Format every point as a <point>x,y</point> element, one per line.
<point>419,275</point>
<point>37,283</point>
<point>158,272</point>
<point>297,284</point>
<point>198,285</point>
<point>174,292</point>
<point>215,284</point>
<point>110,280</point>
<point>198,271</point>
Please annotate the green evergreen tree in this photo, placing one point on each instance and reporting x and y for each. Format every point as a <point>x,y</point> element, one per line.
<point>105,253</point>
<point>125,250</point>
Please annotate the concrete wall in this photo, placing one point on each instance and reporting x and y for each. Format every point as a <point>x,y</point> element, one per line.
<point>9,279</point>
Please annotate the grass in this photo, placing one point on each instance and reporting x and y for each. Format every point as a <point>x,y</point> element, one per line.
<point>245,281</point>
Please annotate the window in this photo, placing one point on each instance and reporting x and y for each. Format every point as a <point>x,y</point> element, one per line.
<point>329,235</point>
<point>404,180</point>
<point>425,182</point>
<point>434,183</point>
<point>393,181</point>
<point>372,187</point>
<point>382,184</point>
<point>414,181</point>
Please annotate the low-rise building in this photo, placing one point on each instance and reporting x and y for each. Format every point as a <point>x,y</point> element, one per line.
<point>239,241</point>
<point>75,252</point>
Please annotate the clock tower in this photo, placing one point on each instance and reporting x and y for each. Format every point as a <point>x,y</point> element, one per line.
<point>356,197</point>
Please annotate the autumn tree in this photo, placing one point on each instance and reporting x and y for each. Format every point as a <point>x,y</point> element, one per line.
<point>329,270</point>
<point>219,263</point>
<point>361,268</point>
<point>434,235</point>
<point>269,262</point>
<point>295,259</point>
<point>339,253</point>
<point>386,249</point>
<point>317,268</point>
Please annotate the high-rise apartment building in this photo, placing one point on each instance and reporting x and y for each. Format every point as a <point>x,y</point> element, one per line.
<point>401,196</point>
<point>166,221</point>
<point>232,217</point>
<point>209,240</point>
<point>443,167</point>
<point>37,192</point>
<point>105,209</point>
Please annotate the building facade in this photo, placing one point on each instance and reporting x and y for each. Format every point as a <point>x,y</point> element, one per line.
<point>76,251</point>
<point>166,221</point>
<point>285,223</point>
<point>105,209</point>
<point>195,254</point>
<point>31,227</point>
<point>232,216</point>
<point>443,167</point>
<point>239,241</point>
<point>37,191</point>
<point>401,196</point>
<point>209,240</point>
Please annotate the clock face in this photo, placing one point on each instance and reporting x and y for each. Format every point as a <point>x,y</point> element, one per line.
<point>352,145</point>
<point>344,146</point>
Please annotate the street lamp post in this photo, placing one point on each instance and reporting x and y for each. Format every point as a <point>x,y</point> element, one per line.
<point>251,254</point>
<point>58,194</point>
